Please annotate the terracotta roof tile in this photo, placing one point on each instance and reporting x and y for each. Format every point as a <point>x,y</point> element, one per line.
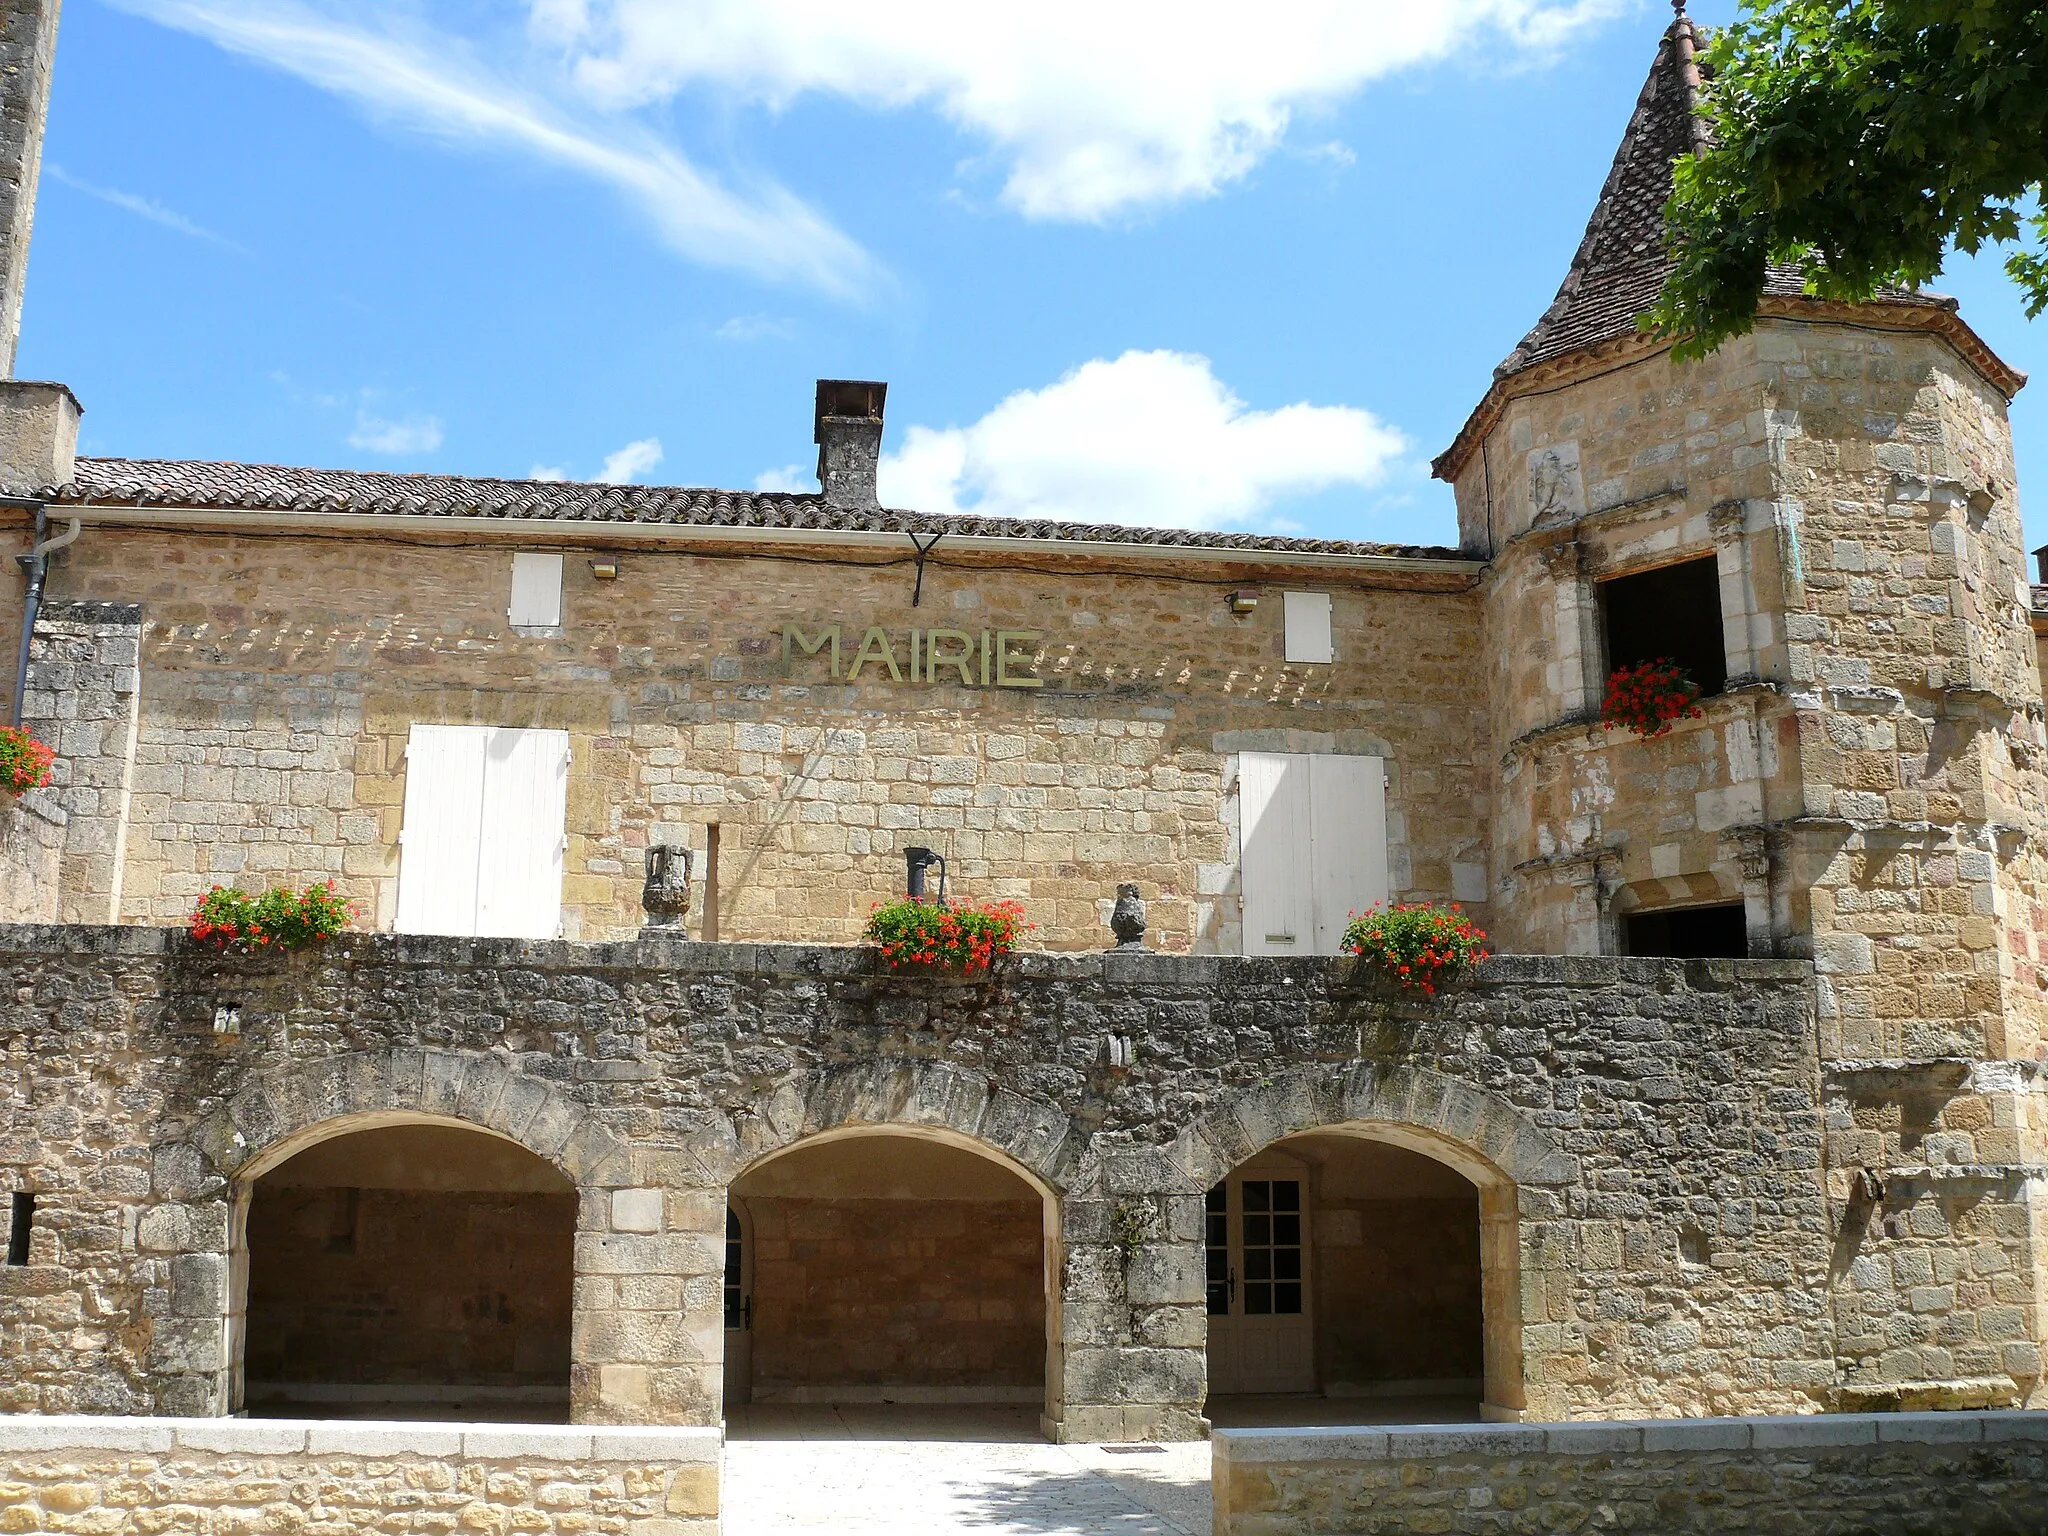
<point>208,486</point>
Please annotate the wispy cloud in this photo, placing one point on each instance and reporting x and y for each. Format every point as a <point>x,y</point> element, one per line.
<point>142,207</point>
<point>756,328</point>
<point>790,477</point>
<point>433,83</point>
<point>415,434</point>
<point>631,461</point>
<point>548,472</point>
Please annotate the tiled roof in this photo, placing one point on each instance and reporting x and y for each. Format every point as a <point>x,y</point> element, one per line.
<point>226,487</point>
<point>1621,263</point>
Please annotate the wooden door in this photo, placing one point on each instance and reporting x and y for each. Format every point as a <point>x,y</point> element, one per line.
<point>1261,1329</point>
<point>739,1311</point>
<point>1312,848</point>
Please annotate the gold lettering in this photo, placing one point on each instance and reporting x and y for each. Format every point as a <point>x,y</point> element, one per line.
<point>811,647</point>
<point>961,661</point>
<point>1007,641</point>
<point>984,658</point>
<point>874,645</point>
<point>913,655</point>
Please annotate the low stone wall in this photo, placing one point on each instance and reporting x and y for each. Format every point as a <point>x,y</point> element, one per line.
<point>111,1477</point>
<point>1941,1474</point>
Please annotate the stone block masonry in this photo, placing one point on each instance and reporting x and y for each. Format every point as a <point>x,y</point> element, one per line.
<point>125,1477</point>
<point>1915,1474</point>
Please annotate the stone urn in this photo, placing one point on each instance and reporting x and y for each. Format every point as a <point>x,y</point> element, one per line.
<point>1127,918</point>
<point>666,894</point>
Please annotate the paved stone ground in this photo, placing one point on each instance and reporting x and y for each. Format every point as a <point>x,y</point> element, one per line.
<point>939,1471</point>
<point>936,1471</point>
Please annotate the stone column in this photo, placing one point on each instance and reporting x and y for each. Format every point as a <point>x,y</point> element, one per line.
<point>1578,641</point>
<point>28,46</point>
<point>1130,1361</point>
<point>648,1345</point>
<point>83,698</point>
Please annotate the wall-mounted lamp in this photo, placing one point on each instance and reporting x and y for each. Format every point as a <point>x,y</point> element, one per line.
<point>916,861</point>
<point>1243,601</point>
<point>605,567</point>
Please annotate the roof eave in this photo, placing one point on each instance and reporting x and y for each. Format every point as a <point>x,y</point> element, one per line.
<point>1619,351</point>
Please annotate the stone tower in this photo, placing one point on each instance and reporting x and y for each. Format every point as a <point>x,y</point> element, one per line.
<point>1821,521</point>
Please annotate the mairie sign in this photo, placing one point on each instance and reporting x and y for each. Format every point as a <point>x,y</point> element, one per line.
<point>994,658</point>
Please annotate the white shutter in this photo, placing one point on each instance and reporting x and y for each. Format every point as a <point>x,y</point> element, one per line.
<point>1306,618</point>
<point>525,815</point>
<point>536,590</point>
<point>1273,854</point>
<point>1348,838</point>
<point>437,864</point>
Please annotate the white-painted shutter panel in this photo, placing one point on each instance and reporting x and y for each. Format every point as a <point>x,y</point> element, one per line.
<point>536,590</point>
<point>437,860</point>
<point>1306,618</point>
<point>1273,862</point>
<point>525,813</point>
<point>1348,841</point>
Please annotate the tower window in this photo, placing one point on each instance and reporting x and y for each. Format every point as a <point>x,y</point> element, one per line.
<point>18,1228</point>
<point>1673,611</point>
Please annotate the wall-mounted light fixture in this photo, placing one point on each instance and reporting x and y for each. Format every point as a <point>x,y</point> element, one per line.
<point>605,567</point>
<point>1243,601</point>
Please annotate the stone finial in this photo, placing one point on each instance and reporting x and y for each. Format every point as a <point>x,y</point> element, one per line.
<point>848,429</point>
<point>1127,918</point>
<point>666,894</point>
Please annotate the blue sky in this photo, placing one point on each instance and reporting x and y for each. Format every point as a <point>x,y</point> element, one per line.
<point>1221,266</point>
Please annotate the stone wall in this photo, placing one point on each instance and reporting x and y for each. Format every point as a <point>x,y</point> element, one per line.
<point>898,1300</point>
<point>84,699</point>
<point>31,852</point>
<point>1894,1475</point>
<point>1656,1233</point>
<point>1398,1297</point>
<point>131,1476</point>
<point>281,675</point>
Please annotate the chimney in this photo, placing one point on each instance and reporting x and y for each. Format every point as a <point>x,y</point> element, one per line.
<point>849,438</point>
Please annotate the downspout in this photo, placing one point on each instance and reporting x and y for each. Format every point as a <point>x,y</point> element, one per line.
<point>35,566</point>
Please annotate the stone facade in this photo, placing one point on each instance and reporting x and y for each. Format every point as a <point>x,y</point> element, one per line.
<point>1897,1475</point>
<point>65,1475</point>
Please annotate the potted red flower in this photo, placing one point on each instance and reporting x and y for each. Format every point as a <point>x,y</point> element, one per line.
<point>280,918</point>
<point>961,940</point>
<point>24,761</point>
<point>1648,697</point>
<point>1421,947</point>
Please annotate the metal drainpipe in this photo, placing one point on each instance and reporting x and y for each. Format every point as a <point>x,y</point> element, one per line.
<point>35,566</point>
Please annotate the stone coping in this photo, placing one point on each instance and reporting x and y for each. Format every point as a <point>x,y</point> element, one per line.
<point>1795,1432</point>
<point>856,960</point>
<point>32,1433</point>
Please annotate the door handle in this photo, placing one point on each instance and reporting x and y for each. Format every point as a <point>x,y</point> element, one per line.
<point>1230,1288</point>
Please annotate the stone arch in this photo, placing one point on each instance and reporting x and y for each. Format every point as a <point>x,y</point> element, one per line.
<point>277,1113</point>
<point>1499,1147</point>
<point>934,1097</point>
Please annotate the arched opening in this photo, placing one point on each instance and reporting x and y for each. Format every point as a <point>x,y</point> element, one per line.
<point>1351,1280</point>
<point>891,1280</point>
<point>422,1269</point>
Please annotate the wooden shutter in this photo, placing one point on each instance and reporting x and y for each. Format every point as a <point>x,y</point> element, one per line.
<point>524,816</point>
<point>1305,616</point>
<point>1348,841</point>
<point>438,848</point>
<point>1273,863</point>
<point>536,590</point>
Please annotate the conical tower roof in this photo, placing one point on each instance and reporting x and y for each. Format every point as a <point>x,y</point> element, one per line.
<point>1621,263</point>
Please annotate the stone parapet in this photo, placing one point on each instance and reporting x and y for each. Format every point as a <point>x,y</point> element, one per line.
<point>1909,1474</point>
<point>116,1476</point>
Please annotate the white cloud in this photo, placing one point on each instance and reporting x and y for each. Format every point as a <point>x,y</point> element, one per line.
<point>631,461</point>
<point>141,207</point>
<point>550,472</point>
<point>756,328</point>
<point>1090,109</point>
<point>415,434</point>
<point>1148,439</point>
<point>790,477</point>
<point>434,83</point>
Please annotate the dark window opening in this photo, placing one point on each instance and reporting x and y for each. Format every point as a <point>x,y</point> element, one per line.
<point>1217,1223</point>
<point>1690,933</point>
<point>739,1311</point>
<point>1673,611</point>
<point>18,1229</point>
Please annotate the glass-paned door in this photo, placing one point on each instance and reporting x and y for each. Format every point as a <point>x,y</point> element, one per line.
<point>739,1312</point>
<point>1261,1337</point>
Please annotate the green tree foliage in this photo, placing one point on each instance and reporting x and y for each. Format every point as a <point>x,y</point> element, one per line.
<point>1856,142</point>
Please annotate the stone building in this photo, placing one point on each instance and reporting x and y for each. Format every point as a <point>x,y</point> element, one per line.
<point>1747,1118</point>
